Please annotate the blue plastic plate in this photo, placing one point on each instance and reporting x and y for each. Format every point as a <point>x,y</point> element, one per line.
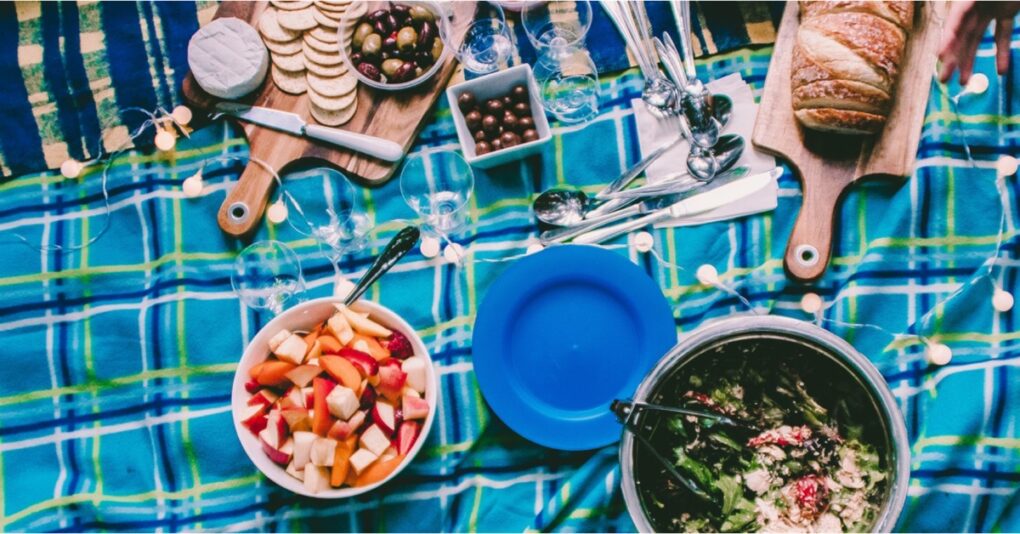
<point>563,332</point>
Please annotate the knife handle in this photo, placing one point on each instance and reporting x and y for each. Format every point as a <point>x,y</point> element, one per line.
<point>605,234</point>
<point>366,144</point>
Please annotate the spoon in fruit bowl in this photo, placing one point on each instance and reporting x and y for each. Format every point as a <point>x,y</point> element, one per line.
<point>400,245</point>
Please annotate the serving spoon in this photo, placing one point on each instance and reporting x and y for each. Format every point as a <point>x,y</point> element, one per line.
<point>400,245</point>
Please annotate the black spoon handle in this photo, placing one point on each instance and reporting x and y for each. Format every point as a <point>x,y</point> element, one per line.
<point>401,244</point>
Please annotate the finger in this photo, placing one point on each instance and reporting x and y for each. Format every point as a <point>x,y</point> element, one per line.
<point>967,51</point>
<point>1003,39</point>
<point>948,67</point>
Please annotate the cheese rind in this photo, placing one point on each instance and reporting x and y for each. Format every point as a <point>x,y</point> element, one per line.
<point>228,58</point>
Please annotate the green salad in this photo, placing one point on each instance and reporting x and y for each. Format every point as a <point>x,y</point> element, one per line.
<point>806,460</point>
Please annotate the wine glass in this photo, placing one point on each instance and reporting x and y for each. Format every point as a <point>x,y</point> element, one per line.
<point>267,275</point>
<point>437,184</point>
<point>556,25</point>
<point>568,82</point>
<point>332,216</point>
<point>487,46</point>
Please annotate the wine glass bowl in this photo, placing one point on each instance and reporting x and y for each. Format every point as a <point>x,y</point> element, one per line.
<point>266,275</point>
<point>437,185</point>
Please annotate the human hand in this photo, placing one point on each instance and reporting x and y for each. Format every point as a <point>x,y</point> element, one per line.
<point>965,26</point>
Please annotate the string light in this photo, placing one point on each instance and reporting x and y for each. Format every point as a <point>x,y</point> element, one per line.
<point>643,241</point>
<point>707,275</point>
<point>193,185</point>
<point>429,247</point>
<point>938,353</point>
<point>71,168</point>
<point>977,84</point>
<point>181,115</point>
<point>165,140</point>
<point>1006,166</point>
<point>811,303</point>
<point>453,252</point>
<point>277,212</point>
<point>1002,300</point>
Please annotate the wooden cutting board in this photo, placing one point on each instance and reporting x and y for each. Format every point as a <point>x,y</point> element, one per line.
<point>828,164</point>
<point>397,116</point>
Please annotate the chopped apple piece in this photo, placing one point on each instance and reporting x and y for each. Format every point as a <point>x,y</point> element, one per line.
<point>345,429</point>
<point>293,350</point>
<point>264,398</point>
<point>303,374</point>
<point>302,448</point>
<point>342,402</point>
<point>374,439</point>
<point>280,455</point>
<point>415,367</point>
<point>278,339</point>
<point>297,419</point>
<point>277,426</point>
<point>361,459</point>
<point>316,478</point>
<point>295,472</point>
<point>384,415</point>
<point>366,364</point>
<point>323,451</point>
<point>292,399</point>
<point>340,328</point>
<point>414,407</point>
<point>362,324</point>
<point>254,418</point>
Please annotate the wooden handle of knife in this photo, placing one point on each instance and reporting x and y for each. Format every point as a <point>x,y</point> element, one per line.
<point>242,210</point>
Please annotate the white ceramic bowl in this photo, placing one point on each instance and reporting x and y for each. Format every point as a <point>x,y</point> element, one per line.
<point>346,30</point>
<point>305,316</point>
<point>490,86</point>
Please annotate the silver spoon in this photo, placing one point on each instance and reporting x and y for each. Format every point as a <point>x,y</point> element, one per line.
<point>705,164</point>
<point>400,245</point>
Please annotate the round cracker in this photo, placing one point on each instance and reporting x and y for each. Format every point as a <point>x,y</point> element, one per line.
<point>326,71</point>
<point>332,86</point>
<point>291,5</point>
<point>324,20</point>
<point>332,103</point>
<point>321,58</point>
<point>320,46</point>
<point>269,27</point>
<point>298,21</point>
<point>358,9</point>
<point>290,82</point>
<point>283,47</point>
<point>333,118</point>
<point>324,34</point>
<point>289,63</point>
<point>334,7</point>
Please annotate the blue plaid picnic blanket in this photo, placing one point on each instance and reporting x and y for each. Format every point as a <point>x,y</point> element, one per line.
<point>72,73</point>
<point>114,406</point>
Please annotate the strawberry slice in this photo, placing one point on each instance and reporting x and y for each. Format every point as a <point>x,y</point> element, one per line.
<point>366,364</point>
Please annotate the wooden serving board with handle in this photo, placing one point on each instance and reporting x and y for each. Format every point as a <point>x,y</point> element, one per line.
<point>397,116</point>
<point>828,164</point>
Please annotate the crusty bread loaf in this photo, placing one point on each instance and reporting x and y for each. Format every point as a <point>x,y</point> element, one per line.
<point>846,61</point>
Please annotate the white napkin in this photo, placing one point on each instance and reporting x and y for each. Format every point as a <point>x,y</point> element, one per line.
<point>653,132</point>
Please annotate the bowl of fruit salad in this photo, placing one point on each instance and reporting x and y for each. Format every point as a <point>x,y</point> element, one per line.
<point>395,45</point>
<point>331,401</point>
<point>811,438</point>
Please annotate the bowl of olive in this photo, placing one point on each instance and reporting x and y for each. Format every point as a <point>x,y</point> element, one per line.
<point>499,117</point>
<point>395,45</point>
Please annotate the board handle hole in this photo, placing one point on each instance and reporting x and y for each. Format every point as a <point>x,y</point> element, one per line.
<point>806,255</point>
<point>238,212</point>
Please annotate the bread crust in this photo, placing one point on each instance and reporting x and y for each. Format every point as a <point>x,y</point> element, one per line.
<point>841,121</point>
<point>844,94</point>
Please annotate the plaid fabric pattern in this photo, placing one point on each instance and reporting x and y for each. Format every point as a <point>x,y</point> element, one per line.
<point>114,409</point>
<point>71,73</point>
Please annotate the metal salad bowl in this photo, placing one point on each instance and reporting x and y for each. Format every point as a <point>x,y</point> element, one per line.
<point>718,345</point>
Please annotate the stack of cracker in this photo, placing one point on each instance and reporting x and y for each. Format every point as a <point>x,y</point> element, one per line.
<point>303,45</point>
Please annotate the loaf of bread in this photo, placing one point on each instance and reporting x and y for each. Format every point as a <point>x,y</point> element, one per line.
<point>846,61</point>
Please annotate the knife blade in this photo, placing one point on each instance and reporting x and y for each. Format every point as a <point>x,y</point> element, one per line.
<point>732,190</point>
<point>292,123</point>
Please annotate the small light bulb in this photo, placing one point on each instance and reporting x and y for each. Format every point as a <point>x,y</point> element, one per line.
<point>453,252</point>
<point>1006,166</point>
<point>182,115</point>
<point>535,247</point>
<point>429,247</point>
<point>643,241</point>
<point>1002,300</point>
<point>977,84</point>
<point>939,354</point>
<point>277,212</point>
<point>193,185</point>
<point>71,168</point>
<point>165,140</point>
<point>811,303</point>
<point>707,275</point>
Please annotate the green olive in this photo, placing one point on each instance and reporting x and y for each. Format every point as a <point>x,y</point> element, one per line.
<point>406,38</point>
<point>372,45</point>
<point>363,30</point>
<point>390,66</point>
<point>421,14</point>
<point>437,49</point>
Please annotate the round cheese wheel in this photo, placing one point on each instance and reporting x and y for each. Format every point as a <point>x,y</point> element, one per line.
<point>227,58</point>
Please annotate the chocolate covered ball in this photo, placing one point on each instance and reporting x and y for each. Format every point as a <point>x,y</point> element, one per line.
<point>480,136</point>
<point>490,124</point>
<point>473,119</point>
<point>508,139</point>
<point>494,106</point>
<point>530,135</point>
<point>466,101</point>
<point>519,93</point>
<point>482,147</point>
<point>510,121</point>
<point>496,144</point>
<point>522,109</point>
<point>525,123</point>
